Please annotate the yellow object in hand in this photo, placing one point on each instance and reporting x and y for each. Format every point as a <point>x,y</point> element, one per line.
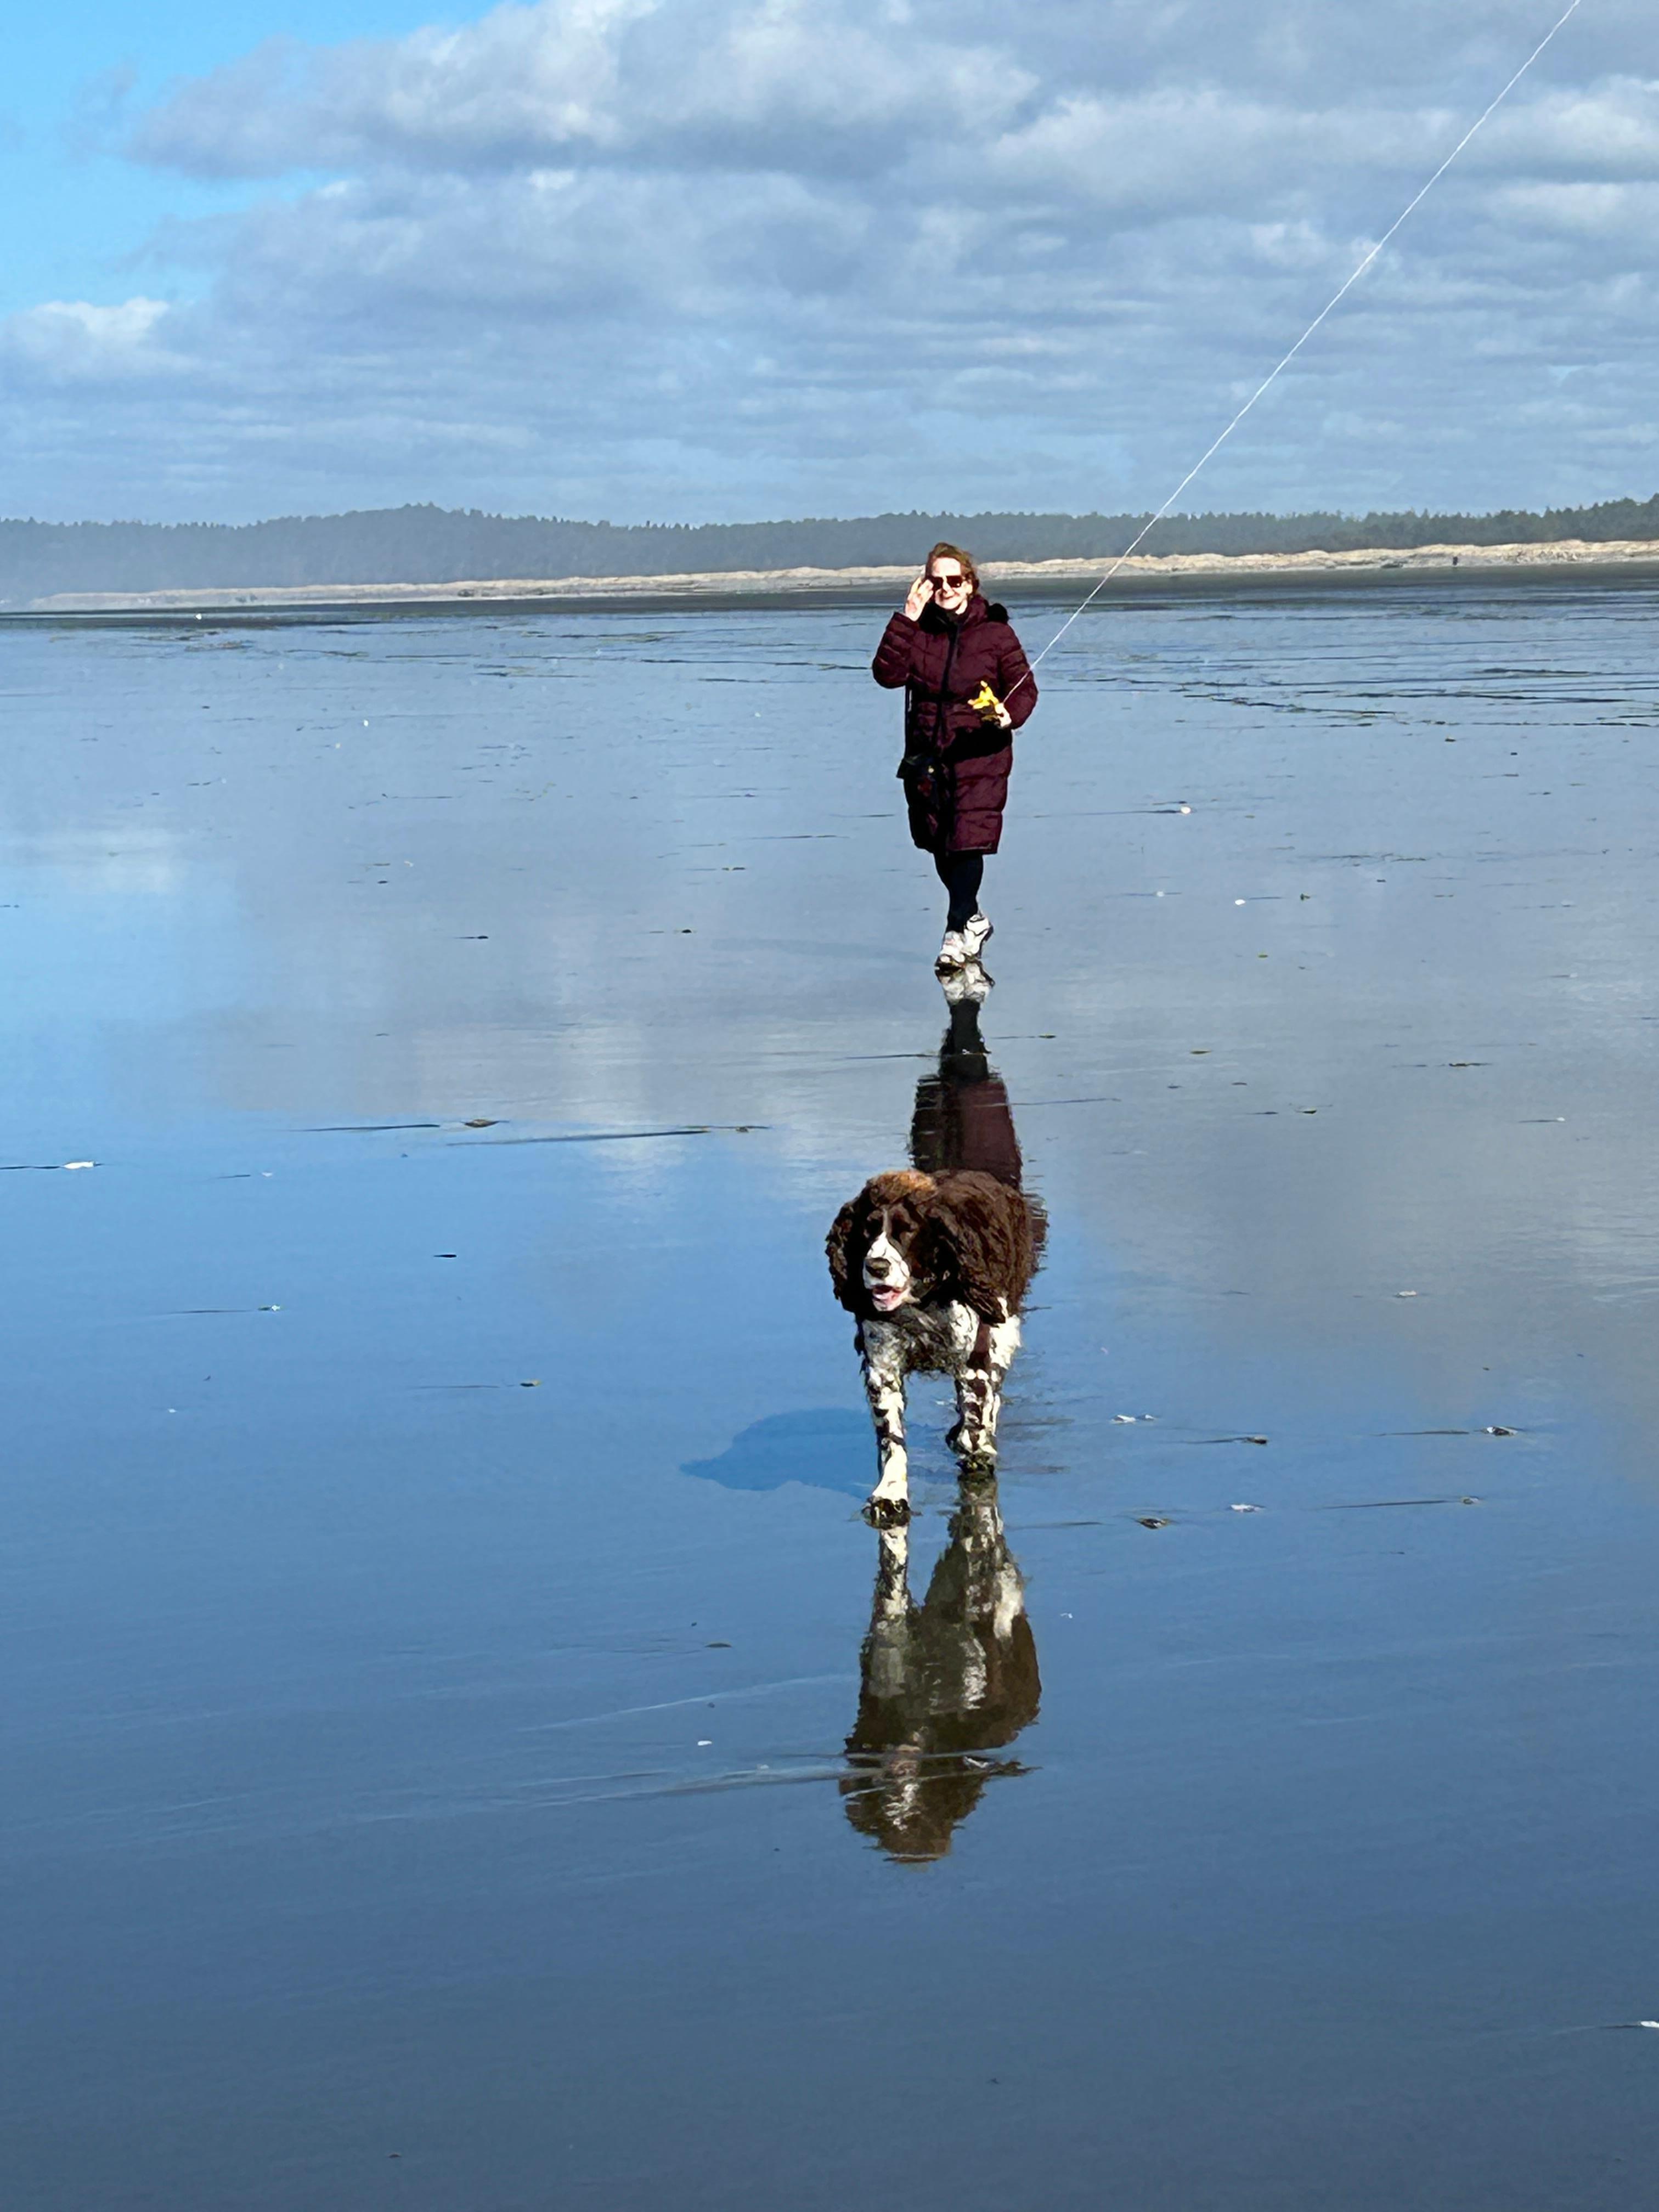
<point>986,703</point>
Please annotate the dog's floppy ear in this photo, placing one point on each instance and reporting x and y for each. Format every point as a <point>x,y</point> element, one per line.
<point>838,1247</point>
<point>975,1233</point>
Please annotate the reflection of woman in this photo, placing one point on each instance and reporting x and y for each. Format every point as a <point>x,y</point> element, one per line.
<point>947,646</point>
<point>941,1684</point>
<point>962,1117</point>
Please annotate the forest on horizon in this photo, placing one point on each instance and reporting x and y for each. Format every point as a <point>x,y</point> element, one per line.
<point>427,544</point>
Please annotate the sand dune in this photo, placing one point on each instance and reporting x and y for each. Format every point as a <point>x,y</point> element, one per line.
<point>1018,578</point>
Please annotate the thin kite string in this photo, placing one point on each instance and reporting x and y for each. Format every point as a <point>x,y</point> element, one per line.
<point>1334,302</point>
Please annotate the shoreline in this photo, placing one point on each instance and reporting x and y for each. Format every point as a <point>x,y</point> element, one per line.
<point>1579,558</point>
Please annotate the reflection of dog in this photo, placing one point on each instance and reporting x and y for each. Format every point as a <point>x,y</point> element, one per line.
<point>935,1265</point>
<point>942,1682</point>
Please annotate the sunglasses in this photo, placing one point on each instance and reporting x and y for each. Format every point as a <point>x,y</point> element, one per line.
<point>948,583</point>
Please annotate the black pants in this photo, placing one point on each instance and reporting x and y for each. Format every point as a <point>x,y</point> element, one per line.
<point>962,874</point>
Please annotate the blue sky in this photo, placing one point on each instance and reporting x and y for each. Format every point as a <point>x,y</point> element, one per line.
<point>69,217</point>
<point>709,258</point>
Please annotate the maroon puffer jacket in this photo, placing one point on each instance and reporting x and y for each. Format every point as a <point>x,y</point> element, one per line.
<point>956,767</point>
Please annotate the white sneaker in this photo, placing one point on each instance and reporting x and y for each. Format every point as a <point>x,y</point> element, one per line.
<point>968,985</point>
<point>953,953</point>
<point>975,931</point>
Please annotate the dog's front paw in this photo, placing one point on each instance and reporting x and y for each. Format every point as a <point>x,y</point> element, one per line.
<point>885,1509</point>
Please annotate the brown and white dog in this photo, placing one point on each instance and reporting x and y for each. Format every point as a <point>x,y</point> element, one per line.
<point>935,1268</point>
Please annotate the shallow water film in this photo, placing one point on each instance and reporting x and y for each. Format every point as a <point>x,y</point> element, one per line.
<point>465,1748</point>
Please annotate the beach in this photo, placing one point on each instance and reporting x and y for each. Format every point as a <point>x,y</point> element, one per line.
<point>433,1578</point>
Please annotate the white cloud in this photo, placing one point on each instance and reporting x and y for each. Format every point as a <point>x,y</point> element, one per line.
<point>1626,213</point>
<point>523,83</point>
<point>74,341</point>
<point>1175,151</point>
<point>1611,130</point>
<point>718,257</point>
<point>784,80</point>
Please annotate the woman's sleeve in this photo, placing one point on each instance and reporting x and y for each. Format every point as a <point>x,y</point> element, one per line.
<point>1015,685</point>
<point>892,665</point>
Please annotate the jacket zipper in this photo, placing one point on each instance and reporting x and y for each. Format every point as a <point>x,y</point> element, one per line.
<point>942,731</point>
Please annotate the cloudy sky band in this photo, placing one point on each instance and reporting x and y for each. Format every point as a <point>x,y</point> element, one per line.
<point>708,258</point>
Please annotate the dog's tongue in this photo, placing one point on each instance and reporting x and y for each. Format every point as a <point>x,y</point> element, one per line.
<point>886,1297</point>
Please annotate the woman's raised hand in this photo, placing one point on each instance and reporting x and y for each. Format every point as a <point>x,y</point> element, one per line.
<point>920,593</point>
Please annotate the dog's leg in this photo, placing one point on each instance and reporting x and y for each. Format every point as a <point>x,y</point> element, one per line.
<point>979,1395</point>
<point>889,1504</point>
<point>892,1597</point>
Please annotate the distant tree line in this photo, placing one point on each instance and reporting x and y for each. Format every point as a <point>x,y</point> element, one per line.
<point>435,545</point>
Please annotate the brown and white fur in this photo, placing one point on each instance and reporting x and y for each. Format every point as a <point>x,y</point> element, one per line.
<point>935,1268</point>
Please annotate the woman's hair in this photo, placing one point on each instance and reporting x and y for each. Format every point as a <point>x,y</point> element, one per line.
<point>942,551</point>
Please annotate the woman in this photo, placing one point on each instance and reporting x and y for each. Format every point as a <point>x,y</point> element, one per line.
<point>948,648</point>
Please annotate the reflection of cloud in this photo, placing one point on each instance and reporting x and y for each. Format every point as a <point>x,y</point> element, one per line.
<point>529,964</point>
<point>142,864</point>
<point>646,256</point>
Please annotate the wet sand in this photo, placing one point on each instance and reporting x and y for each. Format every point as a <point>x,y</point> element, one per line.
<point>457,1751</point>
<point>1180,573</point>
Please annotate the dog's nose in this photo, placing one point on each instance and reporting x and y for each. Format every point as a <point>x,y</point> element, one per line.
<point>877,1268</point>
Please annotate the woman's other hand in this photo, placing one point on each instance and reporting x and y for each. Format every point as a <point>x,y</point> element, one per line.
<point>920,593</point>
<point>1004,720</point>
